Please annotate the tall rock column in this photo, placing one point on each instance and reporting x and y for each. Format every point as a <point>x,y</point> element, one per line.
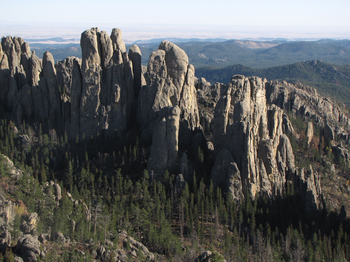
<point>53,94</point>
<point>246,128</point>
<point>167,107</point>
<point>107,96</point>
<point>91,82</point>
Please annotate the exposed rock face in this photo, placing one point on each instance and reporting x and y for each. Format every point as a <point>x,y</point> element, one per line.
<point>28,247</point>
<point>341,154</point>
<point>168,112</point>
<point>7,215</point>
<point>305,101</point>
<point>309,133</point>
<point>226,174</point>
<point>207,96</point>
<point>28,225</point>
<point>287,125</point>
<point>328,133</point>
<point>109,91</point>
<point>252,153</point>
<point>135,57</point>
<point>76,88</point>
<point>82,97</point>
<point>92,81</point>
<point>308,183</point>
<point>58,195</point>
<point>107,83</point>
<point>12,170</point>
<point>50,83</point>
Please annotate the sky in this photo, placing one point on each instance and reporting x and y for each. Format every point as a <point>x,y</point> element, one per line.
<point>140,19</point>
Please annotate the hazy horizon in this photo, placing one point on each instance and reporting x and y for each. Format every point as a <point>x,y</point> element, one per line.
<point>144,20</point>
<point>36,32</point>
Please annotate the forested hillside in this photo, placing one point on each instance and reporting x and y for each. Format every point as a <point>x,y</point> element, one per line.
<point>223,53</point>
<point>174,219</point>
<point>328,79</point>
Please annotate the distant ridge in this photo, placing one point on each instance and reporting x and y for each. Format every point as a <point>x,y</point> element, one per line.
<point>327,78</point>
<point>219,52</point>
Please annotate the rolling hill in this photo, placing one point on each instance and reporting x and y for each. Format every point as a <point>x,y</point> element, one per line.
<point>327,78</point>
<point>254,54</point>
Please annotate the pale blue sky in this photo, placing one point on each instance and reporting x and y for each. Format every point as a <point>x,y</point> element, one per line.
<point>182,13</point>
<point>219,12</point>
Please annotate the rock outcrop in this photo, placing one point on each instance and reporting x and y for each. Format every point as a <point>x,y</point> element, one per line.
<point>308,183</point>
<point>167,104</point>
<point>28,224</point>
<point>83,97</point>
<point>7,215</point>
<point>309,133</point>
<point>208,256</point>
<point>306,102</point>
<point>28,247</point>
<point>128,249</point>
<point>107,94</point>
<point>252,153</point>
<point>10,167</point>
<point>109,91</point>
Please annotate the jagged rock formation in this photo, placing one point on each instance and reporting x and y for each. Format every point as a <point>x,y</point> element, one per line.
<point>168,111</point>
<point>109,91</point>
<point>107,83</point>
<point>7,214</point>
<point>28,225</point>
<point>252,153</point>
<point>341,154</point>
<point>305,101</point>
<point>81,97</point>
<point>12,170</point>
<point>308,184</point>
<point>309,133</point>
<point>207,95</point>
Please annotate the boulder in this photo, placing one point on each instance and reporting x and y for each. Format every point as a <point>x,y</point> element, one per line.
<point>28,224</point>
<point>10,167</point>
<point>60,238</point>
<point>18,259</point>
<point>58,195</point>
<point>28,247</point>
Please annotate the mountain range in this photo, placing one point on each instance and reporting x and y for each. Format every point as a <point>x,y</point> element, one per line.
<point>255,54</point>
<point>331,80</point>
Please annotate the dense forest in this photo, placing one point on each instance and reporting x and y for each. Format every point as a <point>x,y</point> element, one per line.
<point>175,221</point>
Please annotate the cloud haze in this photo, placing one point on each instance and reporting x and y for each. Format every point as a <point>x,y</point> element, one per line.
<point>160,19</point>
